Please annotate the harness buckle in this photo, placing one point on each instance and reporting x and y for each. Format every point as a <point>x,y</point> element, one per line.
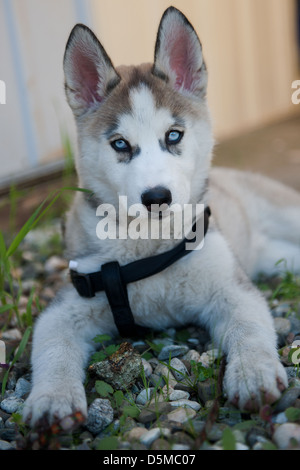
<point>83,284</point>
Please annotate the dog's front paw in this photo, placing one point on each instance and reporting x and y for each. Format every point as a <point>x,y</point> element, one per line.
<point>46,406</point>
<point>254,380</point>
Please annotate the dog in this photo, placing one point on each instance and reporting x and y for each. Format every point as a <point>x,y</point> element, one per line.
<point>145,132</point>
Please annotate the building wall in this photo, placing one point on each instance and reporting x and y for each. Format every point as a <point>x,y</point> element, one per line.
<point>249,47</point>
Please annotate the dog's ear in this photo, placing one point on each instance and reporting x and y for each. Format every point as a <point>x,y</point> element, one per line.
<point>178,54</point>
<point>89,73</point>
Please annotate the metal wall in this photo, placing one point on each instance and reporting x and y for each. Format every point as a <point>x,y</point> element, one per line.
<point>249,46</point>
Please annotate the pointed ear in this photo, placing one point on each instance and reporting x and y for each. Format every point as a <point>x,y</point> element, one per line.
<point>89,73</point>
<point>178,54</point>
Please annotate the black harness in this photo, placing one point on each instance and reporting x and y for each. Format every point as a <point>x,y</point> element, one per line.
<point>113,279</point>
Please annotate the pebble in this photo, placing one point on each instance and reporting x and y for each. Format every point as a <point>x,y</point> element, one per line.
<point>207,390</point>
<point>55,263</point>
<point>135,434</point>
<point>287,436</point>
<point>150,436</point>
<point>12,404</point>
<point>179,395</point>
<point>100,415</point>
<point>287,399</point>
<point>163,371</point>
<point>282,325</point>
<point>192,355</point>
<point>172,350</point>
<point>281,309</point>
<point>147,368</point>
<point>144,396</point>
<point>280,418</point>
<point>4,445</point>
<point>209,357</point>
<point>23,387</point>
<point>181,415</point>
<point>14,334</point>
<point>121,369</point>
<point>187,403</point>
<point>179,370</point>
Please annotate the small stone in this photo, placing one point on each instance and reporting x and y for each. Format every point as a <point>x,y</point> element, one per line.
<point>4,445</point>
<point>209,357</point>
<point>9,423</point>
<point>135,434</point>
<point>287,436</point>
<point>282,325</point>
<point>23,387</point>
<point>121,369</point>
<point>240,446</point>
<point>157,380</point>
<point>292,372</point>
<point>207,390</point>
<point>147,416</point>
<point>280,310</point>
<point>172,350</point>
<point>280,418</point>
<point>178,369</point>
<point>181,415</point>
<point>12,404</point>
<point>287,399</point>
<point>295,322</point>
<point>160,444</point>
<point>144,396</point>
<point>185,386</point>
<point>216,432</point>
<point>186,403</point>
<point>179,395</point>
<point>254,434</point>
<point>163,371</point>
<point>180,437</point>
<point>147,368</point>
<point>150,436</point>
<point>55,263</point>
<point>8,434</point>
<point>100,415</point>
<point>180,447</point>
<point>12,335</point>
<point>192,355</point>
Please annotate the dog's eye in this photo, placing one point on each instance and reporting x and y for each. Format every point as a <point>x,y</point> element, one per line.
<point>173,137</point>
<point>121,145</point>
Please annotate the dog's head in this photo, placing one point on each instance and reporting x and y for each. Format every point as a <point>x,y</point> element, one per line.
<point>143,132</point>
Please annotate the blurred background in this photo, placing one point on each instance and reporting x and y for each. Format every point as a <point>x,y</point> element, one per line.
<point>252,52</point>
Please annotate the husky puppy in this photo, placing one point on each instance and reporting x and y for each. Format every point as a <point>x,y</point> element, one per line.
<point>145,132</point>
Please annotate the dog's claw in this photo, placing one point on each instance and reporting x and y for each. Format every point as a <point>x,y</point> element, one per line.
<point>280,385</point>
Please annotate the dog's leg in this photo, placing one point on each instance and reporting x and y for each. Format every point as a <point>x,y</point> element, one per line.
<point>240,322</point>
<point>62,343</point>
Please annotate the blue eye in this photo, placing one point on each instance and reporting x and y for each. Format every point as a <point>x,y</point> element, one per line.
<point>173,137</point>
<point>121,145</point>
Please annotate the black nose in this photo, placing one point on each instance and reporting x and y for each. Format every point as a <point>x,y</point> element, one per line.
<point>158,195</point>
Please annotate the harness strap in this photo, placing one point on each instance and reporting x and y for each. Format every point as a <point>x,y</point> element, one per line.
<point>117,296</point>
<point>113,279</point>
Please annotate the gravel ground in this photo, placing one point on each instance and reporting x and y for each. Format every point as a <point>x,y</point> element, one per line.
<point>167,392</point>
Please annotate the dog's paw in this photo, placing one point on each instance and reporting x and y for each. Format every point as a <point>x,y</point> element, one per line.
<point>46,406</point>
<point>251,382</point>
